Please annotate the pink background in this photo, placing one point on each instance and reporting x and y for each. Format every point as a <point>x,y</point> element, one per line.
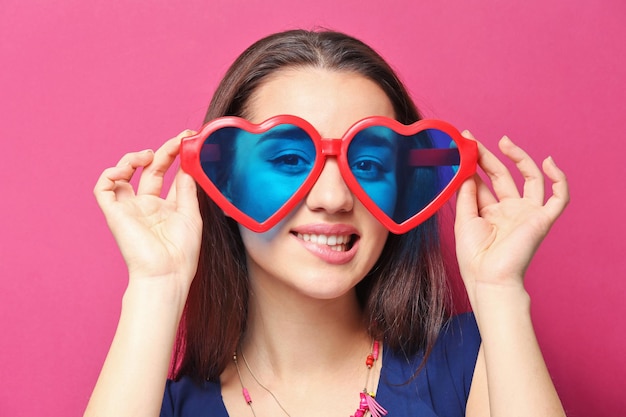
<point>82,82</point>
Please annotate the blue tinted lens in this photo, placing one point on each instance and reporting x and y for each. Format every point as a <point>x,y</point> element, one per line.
<point>258,172</point>
<point>373,160</point>
<point>402,174</point>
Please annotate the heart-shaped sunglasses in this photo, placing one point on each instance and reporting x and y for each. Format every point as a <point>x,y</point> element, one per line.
<point>257,173</point>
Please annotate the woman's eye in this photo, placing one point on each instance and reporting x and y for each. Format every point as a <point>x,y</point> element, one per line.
<point>290,163</point>
<point>289,160</point>
<point>368,169</point>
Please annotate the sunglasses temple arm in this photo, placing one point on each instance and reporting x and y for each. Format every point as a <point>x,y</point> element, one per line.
<point>434,157</point>
<point>210,152</point>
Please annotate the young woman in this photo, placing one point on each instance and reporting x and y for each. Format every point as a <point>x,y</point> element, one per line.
<point>325,312</point>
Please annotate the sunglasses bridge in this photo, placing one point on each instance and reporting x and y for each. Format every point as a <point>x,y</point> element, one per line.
<point>331,147</point>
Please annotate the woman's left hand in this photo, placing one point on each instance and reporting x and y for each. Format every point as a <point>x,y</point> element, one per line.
<point>497,232</point>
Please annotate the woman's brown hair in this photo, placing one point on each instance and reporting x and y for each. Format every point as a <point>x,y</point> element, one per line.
<point>404,297</point>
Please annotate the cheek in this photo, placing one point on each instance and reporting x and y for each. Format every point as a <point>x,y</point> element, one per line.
<point>259,192</point>
<point>381,235</point>
<point>251,238</point>
<point>257,247</point>
<point>251,192</point>
<point>384,194</point>
<point>375,232</point>
<point>256,243</point>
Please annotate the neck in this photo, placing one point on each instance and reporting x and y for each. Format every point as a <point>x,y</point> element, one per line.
<point>299,349</point>
<point>289,335</point>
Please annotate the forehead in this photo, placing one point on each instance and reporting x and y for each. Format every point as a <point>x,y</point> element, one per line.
<point>331,101</point>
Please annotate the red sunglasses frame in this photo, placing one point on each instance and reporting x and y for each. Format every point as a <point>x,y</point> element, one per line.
<point>193,147</point>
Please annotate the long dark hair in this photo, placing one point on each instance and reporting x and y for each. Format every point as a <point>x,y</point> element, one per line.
<point>404,297</point>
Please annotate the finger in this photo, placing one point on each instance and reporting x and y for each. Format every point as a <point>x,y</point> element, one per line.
<point>104,190</point>
<point>466,202</point>
<point>153,175</point>
<point>171,194</point>
<point>137,159</point>
<point>186,194</point>
<point>484,196</point>
<point>560,189</point>
<point>533,177</point>
<point>114,182</point>
<point>500,177</point>
<point>111,182</point>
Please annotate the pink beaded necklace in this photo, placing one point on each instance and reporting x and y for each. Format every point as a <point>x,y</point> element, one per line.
<point>367,401</point>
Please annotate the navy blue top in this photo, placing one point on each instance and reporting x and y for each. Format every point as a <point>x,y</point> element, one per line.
<point>440,389</point>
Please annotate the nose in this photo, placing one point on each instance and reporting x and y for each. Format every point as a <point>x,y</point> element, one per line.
<point>330,193</point>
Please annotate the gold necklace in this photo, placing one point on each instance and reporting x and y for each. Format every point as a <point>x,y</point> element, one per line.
<point>367,403</point>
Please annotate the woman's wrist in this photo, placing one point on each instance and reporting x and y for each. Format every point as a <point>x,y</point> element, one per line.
<point>163,293</point>
<point>489,300</point>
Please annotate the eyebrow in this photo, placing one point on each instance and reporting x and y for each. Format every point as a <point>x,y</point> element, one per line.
<point>379,141</point>
<point>211,152</point>
<point>283,132</point>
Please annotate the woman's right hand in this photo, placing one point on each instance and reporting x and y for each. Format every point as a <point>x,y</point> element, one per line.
<point>160,241</point>
<point>158,237</point>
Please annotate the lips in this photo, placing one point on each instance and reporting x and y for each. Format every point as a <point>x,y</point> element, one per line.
<point>335,244</point>
<point>338,243</point>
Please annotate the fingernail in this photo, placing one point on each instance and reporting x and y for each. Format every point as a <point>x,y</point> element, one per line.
<point>467,133</point>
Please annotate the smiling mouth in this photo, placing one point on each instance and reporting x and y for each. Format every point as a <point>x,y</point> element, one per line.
<point>338,243</point>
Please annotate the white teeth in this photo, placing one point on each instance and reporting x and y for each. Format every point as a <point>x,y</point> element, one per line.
<point>336,242</point>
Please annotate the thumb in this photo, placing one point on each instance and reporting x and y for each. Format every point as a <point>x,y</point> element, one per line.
<point>186,194</point>
<point>466,202</point>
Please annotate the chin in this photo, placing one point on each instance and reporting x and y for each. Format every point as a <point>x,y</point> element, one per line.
<point>326,287</point>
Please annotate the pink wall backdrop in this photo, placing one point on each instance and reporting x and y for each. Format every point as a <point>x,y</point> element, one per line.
<point>82,82</point>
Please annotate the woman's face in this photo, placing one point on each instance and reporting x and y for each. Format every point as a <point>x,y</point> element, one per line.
<point>330,241</point>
